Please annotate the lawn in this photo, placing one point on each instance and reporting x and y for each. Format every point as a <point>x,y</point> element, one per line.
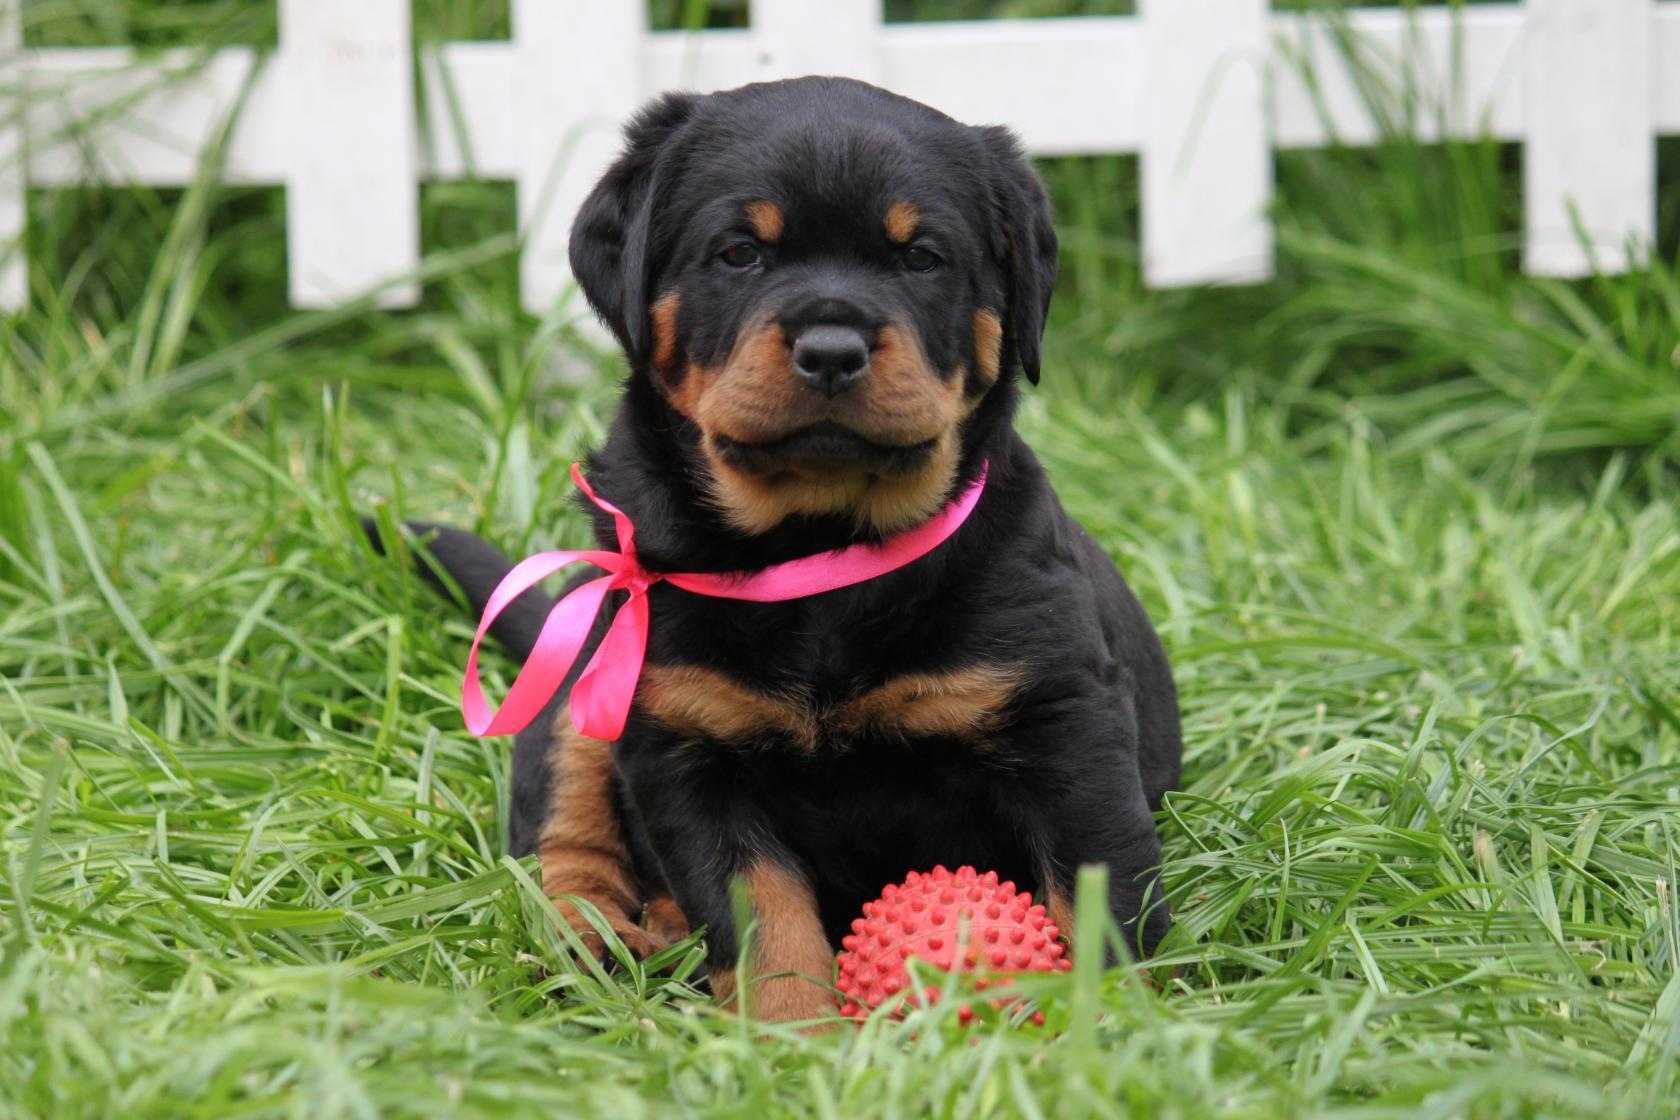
<point>1406,519</point>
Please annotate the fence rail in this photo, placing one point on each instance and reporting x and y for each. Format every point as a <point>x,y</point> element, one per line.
<point>1203,90</point>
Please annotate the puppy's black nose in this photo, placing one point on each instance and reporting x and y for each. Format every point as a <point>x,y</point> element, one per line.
<point>831,359</point>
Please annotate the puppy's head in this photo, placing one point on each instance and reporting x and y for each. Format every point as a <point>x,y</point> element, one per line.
<point>824,280</point>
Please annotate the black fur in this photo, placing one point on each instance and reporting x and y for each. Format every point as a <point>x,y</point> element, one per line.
<point>1092,739</point>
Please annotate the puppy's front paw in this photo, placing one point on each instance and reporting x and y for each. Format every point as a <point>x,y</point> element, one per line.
<point>779,998</point>
<point>664,920</point>
<point>640,942</point>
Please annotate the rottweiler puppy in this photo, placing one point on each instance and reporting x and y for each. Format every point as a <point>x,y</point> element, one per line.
<point>828,294</point>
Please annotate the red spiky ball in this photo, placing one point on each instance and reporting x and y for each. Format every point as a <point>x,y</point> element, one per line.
<point>922,917</point>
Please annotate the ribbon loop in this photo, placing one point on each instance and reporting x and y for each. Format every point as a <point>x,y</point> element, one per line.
<point>604,691</point>
<point>622,524</point>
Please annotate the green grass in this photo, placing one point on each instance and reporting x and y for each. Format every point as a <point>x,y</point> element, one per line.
<point>1407,521</point>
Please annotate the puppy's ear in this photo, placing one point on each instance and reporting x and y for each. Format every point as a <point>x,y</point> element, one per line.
<point>609,243</point>
<point>1026,241</point>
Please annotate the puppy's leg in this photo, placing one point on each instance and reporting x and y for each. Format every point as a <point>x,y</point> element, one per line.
<point>1105,819</point>
<point>581,848</point>
<point>1081,800</point>
<point>705,837</point>
<point>792,972</point>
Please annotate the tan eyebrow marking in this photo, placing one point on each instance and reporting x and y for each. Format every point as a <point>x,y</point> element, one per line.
<point>766,219</point>
<point>902,219</point>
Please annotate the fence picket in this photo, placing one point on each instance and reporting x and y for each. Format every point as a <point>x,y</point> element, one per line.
<point>579,77</point>
<point>1207,160</point>
<point>14,264</point>
<point>1589,167</point>
<point>352,188</point>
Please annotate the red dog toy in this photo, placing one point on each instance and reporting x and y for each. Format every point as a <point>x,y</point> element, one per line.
<point>922,917</point>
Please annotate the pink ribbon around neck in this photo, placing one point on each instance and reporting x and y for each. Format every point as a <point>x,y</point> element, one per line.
<point>601,696</point>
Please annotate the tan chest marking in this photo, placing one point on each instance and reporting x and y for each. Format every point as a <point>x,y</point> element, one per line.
<point>710,704</point>
<point>963,703</point>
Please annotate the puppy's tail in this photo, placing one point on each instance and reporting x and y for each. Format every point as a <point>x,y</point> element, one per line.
<point>476,566</point>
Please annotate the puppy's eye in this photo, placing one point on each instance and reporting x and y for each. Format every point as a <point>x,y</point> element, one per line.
<point>742,254</point>
<point>918,259</point>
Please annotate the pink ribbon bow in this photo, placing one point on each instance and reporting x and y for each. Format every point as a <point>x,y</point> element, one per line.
<point>602,695</point>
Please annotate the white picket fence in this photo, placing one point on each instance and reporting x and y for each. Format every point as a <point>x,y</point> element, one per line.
<point>1203,90</point>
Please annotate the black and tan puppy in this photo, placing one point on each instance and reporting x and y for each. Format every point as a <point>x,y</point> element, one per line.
<point>828,294</point>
